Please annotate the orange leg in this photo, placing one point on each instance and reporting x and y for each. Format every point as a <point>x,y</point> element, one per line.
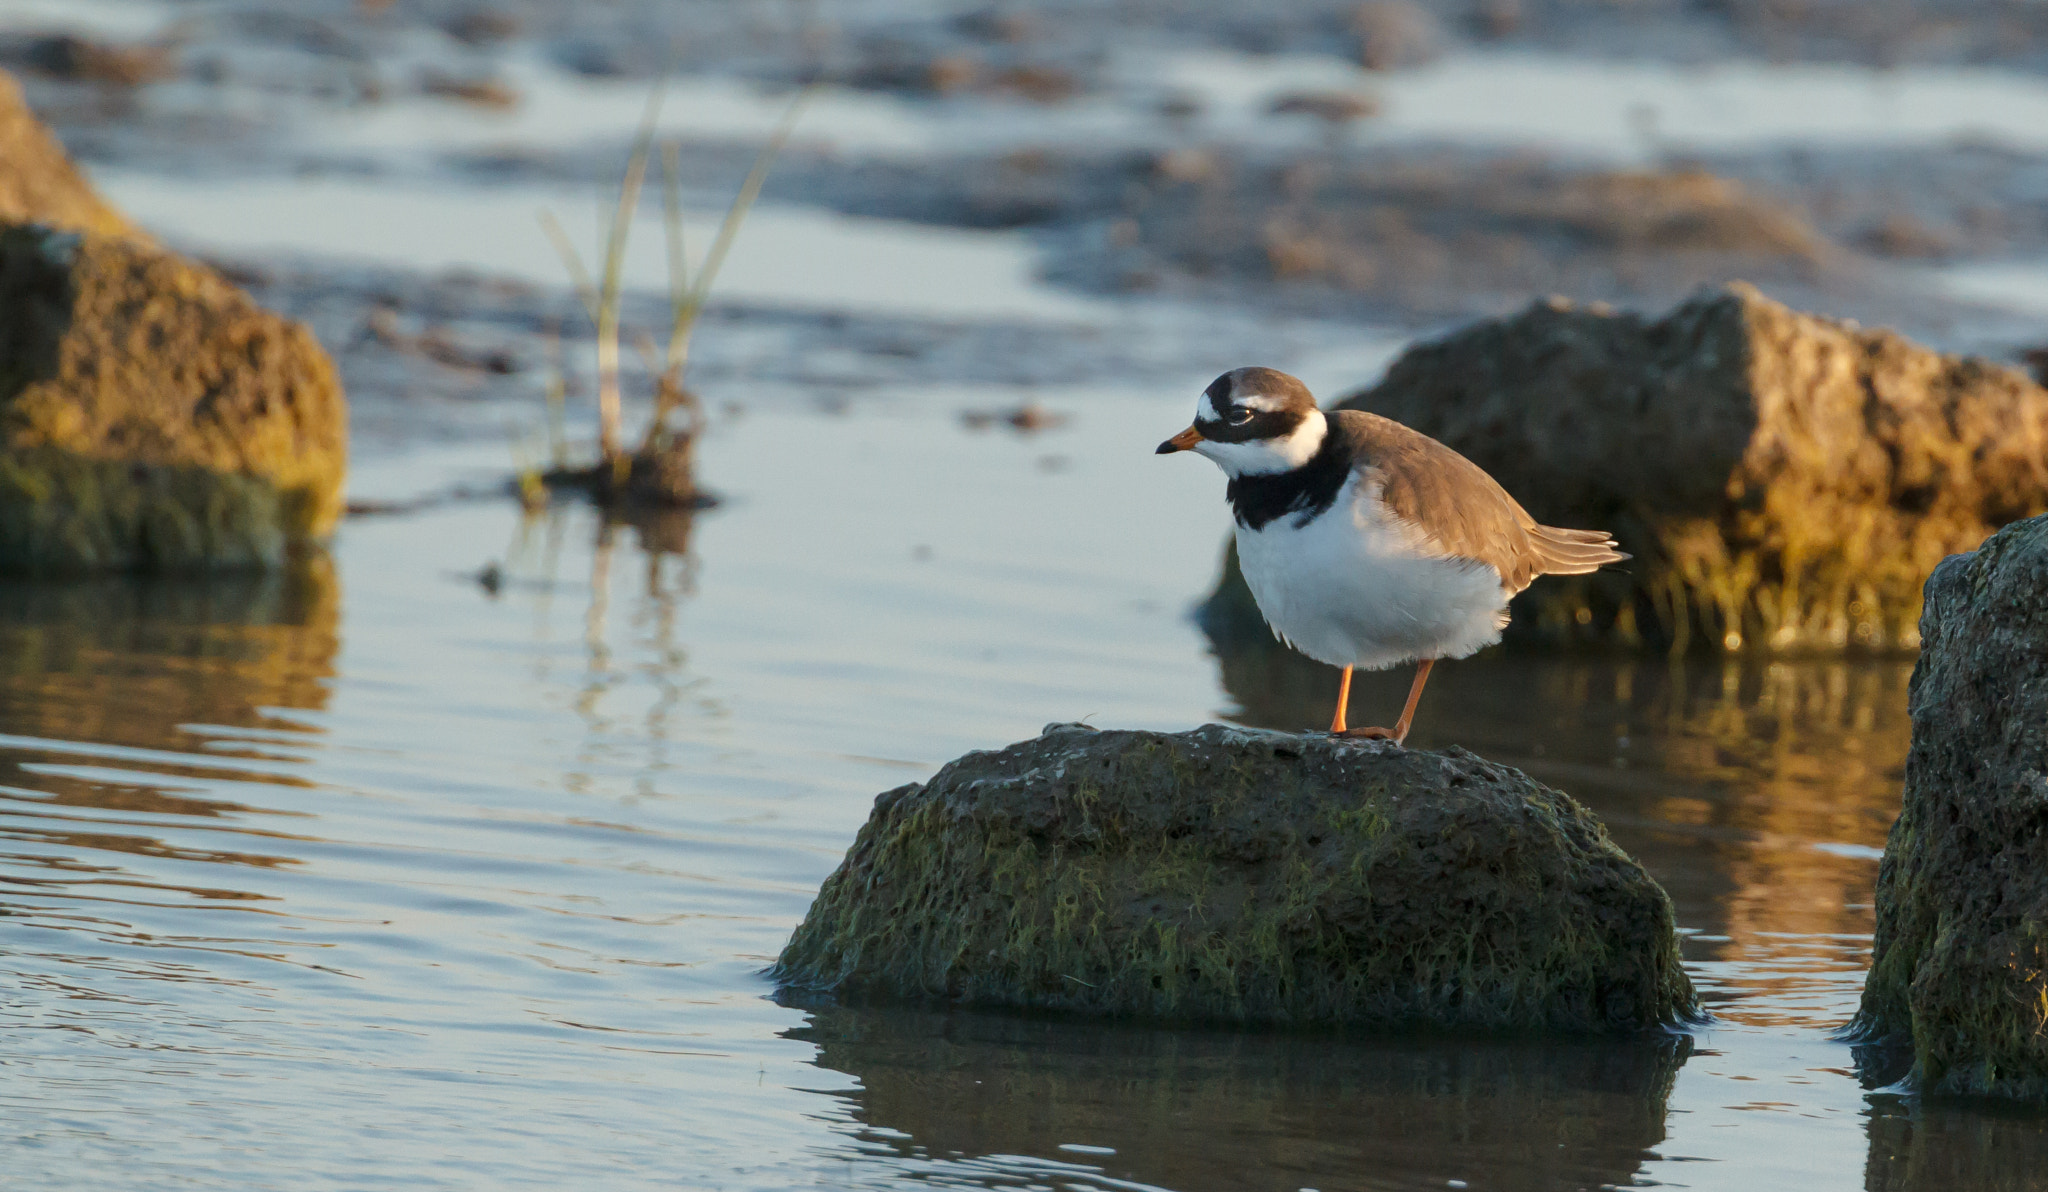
<point>1343,700</point>
<point>1399,732</point>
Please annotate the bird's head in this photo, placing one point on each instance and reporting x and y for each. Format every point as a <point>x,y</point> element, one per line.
<point>1252,421</point>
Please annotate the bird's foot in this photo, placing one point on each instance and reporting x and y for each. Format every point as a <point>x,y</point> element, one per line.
<point>1370,734</point>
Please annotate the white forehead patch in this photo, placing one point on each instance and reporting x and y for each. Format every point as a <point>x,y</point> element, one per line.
<point>1206,411</point>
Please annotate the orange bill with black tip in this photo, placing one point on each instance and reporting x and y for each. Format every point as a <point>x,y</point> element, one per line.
<point>1184,441</point>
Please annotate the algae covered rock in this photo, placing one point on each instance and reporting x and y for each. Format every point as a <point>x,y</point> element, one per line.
<point>1960,964</point>
<point>1238,876</point>
<point>153,417</point>
<point>1785,482</point>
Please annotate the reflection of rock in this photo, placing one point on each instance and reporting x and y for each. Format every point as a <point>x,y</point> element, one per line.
<point>146,664</point>
<point>1246,877</point>
<point>152,417</point>
<point>1960,963</point>
<point>1734,768</point>
<point>130,662</point>
<point>1930,1146</point>
<point>1217,1110</point>
<point>1785,482</point>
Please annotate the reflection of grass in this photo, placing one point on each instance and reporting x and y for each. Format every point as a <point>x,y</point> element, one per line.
<point>660,469</point>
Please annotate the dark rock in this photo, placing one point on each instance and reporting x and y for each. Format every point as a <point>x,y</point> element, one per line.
<point>1784,481</point>
<point>1960,964</point>
<point>1239,876</point>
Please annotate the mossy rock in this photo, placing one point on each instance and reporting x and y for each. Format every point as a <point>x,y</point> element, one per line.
<point>153,417</point>
<point>1959,969</point>
<point>1785,482</point>
<point>1229,875</point>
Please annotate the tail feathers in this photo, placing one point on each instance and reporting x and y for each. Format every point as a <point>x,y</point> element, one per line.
<point>1573,552</point>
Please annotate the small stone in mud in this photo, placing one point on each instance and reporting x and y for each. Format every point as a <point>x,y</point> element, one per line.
<point>1336,107</point>
<point>483,92</point>
<point>482,26</point>
<point>1396,33</point>
<point>84,60</point>
<point>1228,875</point>
<point>1029,418</point>
<point>1901,235</point>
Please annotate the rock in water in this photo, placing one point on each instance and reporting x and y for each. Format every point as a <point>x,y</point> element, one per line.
<point>152,417</point>
<point>1960,966</point>
<point>1784,481</point>
<point>1247,877</point>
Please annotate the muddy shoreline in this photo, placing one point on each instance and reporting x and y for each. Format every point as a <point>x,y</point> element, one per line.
<point>1237,229</point>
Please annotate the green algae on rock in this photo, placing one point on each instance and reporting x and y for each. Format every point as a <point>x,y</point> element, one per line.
<point>1229,875</point>
<point>1960,962</point>
<point>1785,482</point>
<point>152,417</point>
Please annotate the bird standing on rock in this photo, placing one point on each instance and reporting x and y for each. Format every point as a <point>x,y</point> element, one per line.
<point>1365,543</point>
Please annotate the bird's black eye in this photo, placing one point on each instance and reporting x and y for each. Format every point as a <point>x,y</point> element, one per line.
<point>1238,417</point>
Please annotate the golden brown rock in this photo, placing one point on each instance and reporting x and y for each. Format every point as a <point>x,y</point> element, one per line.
<point>38,183</point>
<point>152,417</point>
<point>1785,481</point>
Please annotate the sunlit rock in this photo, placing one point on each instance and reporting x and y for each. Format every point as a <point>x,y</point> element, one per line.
<point>38,183</point>
<point>1960,965</point>
<point>1785,482</point>
<point>152,417</point>
<point>1250,877</point>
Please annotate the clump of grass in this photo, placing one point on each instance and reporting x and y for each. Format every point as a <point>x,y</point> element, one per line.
<point>659,469</point>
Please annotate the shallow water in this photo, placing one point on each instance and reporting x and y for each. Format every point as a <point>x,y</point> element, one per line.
<point>372,876</point>
<point>377,875</point>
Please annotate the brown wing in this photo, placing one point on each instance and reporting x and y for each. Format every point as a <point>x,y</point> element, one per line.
<point>1462,510</point>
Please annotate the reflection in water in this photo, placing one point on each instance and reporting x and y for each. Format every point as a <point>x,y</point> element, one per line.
<point>668,577</point>
<point>133,661</point>
<point>96,669</point>
<point>1003,1100</point>
<point>495,884</point>
<point>1948,1147</point>
<point>1758,792</point>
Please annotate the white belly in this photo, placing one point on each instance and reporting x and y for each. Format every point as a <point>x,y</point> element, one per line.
<point>1354,587</point>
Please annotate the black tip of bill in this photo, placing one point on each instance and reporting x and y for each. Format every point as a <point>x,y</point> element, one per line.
<point>1166,448</point>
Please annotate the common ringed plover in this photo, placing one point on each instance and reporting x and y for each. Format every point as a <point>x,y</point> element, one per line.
<point>1365,543</point>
